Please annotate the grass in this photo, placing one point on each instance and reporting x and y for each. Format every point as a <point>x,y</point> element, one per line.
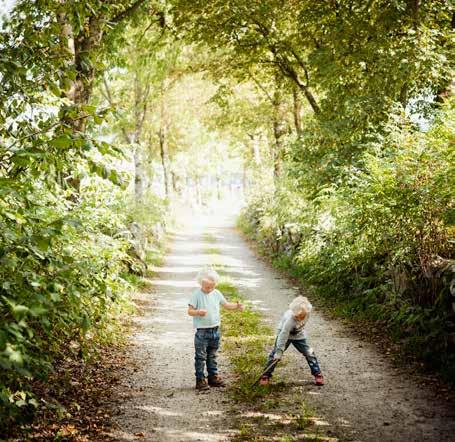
<point>416,336</point>
<point>136,281</point>
<point>213,251</point>
<point>208,237</point>
<point>261,413</point>
<point>244,338</point>
<point>155,255</point>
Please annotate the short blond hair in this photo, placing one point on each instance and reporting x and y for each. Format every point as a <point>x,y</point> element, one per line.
<point>208,274</point>
<point>299,305</point>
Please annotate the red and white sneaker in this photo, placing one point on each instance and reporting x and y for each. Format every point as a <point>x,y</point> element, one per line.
<point>265,380</point>
<point>319,379</point>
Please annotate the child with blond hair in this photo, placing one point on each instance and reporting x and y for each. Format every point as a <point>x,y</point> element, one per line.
<point>204,307</point>
<point>291,330</point>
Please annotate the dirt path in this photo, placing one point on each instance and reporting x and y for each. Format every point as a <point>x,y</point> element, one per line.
<point>364,399</point>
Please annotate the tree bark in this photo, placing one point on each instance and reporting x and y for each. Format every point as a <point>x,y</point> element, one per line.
<point>289,71</point>
<point>279,128</point>
<point>139,175</point>
<point>163,155</point>
<point>162,135</point>
<point>198,191</point>
<point>133,139</point>
<point>244,178</point>
<point>163,150</point>
<point>404,94</point>
<point>297,110</point>
<point>174,182</point>
<point>255,148</point>
<point>141,93</point>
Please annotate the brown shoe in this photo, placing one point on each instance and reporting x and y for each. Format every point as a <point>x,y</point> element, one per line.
<point>201,385</point>
<point>216,381</point>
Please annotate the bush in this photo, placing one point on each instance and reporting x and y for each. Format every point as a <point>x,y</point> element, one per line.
<point>62,288</point>
<point>379,242</point>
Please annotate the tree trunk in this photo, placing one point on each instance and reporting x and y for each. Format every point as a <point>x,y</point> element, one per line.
<point>244,178</point>
<point>140,111</point>
<point>162,134</point>
<point>297,110</point>
<point>198,191</point>
<point>139,175</point>
<point>289,71</point>
<point>141,92</point>
<point>218,187</point>
<point>279,128</point>
<point>163,155</point>
<point>174,182</point>
<point>255,148</point>
<point>404,94</point>
<point>79,48</point>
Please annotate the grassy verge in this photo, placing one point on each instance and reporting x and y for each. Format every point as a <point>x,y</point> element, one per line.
<point>273,413</point>
<point>244,339</point>
<point>276,412</point>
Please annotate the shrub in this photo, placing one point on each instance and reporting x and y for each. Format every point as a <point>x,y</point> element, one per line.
<point>62,288</point>
<point>380,242</point>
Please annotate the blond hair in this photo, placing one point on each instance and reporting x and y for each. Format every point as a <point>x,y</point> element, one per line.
<point>208,274</point>
<point>299,305</point>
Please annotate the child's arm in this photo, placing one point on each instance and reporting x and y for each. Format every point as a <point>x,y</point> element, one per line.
<point>196,312</point>
<point>233,306</point>
<point>282,338</point>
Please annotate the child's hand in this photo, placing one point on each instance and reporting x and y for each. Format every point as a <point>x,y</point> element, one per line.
<point>202,312</point>
<point>240,306</point>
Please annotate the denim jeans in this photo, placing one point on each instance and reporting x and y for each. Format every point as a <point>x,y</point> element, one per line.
<point>206,344</point>
<point>303,347</point>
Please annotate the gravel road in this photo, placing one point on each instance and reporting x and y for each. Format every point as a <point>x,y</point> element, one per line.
<point>365,398</point>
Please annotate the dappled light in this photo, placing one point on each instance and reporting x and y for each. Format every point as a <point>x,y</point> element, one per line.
<point>293,150</point>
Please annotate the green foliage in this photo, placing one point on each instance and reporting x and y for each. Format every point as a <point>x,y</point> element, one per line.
<point>65,237</point>
<point>364,209</point>
<point>381,241</point>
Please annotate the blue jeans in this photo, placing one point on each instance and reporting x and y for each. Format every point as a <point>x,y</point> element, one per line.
<point>206,344</point>
<point>303,347</point>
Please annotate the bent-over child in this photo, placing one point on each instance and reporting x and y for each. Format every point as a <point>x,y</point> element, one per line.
<point>291,330</point>
<point>204,307</point>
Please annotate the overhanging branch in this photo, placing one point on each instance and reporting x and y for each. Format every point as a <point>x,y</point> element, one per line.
<point>127,12</point>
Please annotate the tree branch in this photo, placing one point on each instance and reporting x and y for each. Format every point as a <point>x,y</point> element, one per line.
<point>127,12</point>
<point>288,71</point>
<point>259,85</point>
<point>111,103</point>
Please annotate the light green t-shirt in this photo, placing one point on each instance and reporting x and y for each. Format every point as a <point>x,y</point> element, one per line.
<point>210,302</point>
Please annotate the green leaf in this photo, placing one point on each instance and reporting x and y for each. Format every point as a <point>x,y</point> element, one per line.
<point>43,243</point>
<point>13,355</point>
<point>33,402</point>
<point>38,310</point>
<point>86,323</point>
<point>55,89</point>
<point>62,141</point>
<point>19,309</point>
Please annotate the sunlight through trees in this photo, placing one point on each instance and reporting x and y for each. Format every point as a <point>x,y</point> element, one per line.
<point>331,121</point>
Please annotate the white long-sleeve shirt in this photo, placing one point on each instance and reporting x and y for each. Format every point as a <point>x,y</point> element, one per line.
<point>289,328</point>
